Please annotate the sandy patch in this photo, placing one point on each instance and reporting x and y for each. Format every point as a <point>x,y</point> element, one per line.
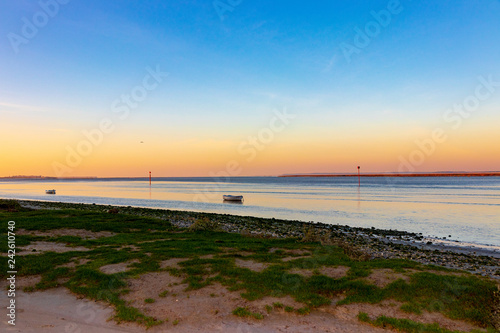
<point>207,256</point>
<point>301,271</point>
<point>204,305</point>
<point>130,247</point>
<point>82,233</point>
<point>228,249</point>
<point>294,254</point>
<point>231,250</point>
<point>150,285</point>
<point>57,310</point>
<point>173,263</point>
<point>27,281</point>
<point>337,272</point>
<point>41,247</point>
<point>297,252</point>
<point>333,272</point>
<point>117,268</point>
<point>156,240</point>
<point>210,310</point>
<point>205,310</point>
<point>252,265</point>
<point>286,259</point>
<point>390,308</point>
<point>383,277</point>
<point>74,263</point>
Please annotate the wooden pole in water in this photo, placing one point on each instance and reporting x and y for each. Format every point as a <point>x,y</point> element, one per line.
<point>149,178</point>
<point>359,177</point>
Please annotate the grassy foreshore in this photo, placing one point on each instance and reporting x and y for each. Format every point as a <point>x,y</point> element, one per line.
<point>375,243</point>
<point>303,267</point>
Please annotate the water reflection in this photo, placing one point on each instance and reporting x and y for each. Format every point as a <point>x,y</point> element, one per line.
<point>230,202</point>
<point>468,209</point>
<point>359,197</point>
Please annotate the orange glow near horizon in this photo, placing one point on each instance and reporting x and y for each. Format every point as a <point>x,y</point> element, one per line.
<point>120,156</point>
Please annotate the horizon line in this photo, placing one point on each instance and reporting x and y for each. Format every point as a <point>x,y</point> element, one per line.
<point>315,174</point>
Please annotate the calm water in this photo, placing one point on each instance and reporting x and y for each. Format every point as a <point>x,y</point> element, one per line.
<point>467,208</point>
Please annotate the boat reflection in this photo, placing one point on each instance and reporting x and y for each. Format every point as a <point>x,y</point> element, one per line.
<point>232,202</point>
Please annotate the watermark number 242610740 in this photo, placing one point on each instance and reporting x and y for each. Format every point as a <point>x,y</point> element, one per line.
<point>11,271</point>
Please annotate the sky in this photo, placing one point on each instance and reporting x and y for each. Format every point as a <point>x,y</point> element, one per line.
<point>248,88</point>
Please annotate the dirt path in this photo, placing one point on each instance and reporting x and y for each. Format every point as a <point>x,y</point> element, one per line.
<point>57,310</point>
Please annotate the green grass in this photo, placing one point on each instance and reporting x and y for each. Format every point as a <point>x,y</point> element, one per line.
<point>130,314</point>
<point>50,279</point>
<point>278,305</point>
<point>303,311</point>
<point>403,325</point>
<point>244,312</point>
<point>458,297</point>
<point>363,316</point>
<point>467,297</point>
<point>411,307</point>
<point>10,206</point>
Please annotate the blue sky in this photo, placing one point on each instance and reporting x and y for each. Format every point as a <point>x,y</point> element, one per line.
<point>225,76</point>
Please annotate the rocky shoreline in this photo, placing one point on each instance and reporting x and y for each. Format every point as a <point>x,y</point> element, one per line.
<point>375,243</point>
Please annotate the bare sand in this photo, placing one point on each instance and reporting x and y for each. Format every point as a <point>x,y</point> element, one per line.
<point>57,310</point>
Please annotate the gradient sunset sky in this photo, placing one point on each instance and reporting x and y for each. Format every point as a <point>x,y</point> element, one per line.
<point>386,85</point>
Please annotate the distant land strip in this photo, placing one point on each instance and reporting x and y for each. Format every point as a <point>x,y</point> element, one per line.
<point>45,178</point>
<point>434,174</point>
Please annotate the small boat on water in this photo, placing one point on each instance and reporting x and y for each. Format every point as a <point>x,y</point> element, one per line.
<point>50,191</point>
<point>233,198</point>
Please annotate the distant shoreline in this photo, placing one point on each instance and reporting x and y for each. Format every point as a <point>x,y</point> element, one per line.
<point>44,178</point>
<point>389,174</point>
<point>433,174</point>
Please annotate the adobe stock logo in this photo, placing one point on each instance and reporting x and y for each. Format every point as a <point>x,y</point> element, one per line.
<point>48,10</point>
<point>248,151</point>
<point>222,7</point>
<point>454,118</point>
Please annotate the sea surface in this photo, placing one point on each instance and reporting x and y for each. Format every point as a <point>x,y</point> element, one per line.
<point>463,209</point>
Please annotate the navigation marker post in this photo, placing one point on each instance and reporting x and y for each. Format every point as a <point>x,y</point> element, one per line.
<point>359,177</point>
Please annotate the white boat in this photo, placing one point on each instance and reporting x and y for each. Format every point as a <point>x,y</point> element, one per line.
<point>232,197</point>
<point>50,191</point>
